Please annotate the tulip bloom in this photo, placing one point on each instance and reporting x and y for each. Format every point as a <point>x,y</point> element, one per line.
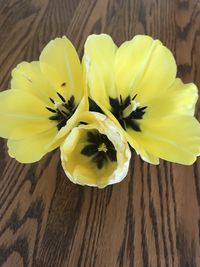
<point>43,103</point>
<point>135,85</point>
<point>95,153</point>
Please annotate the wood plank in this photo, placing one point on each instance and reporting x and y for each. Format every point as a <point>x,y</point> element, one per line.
<point>151,218</point>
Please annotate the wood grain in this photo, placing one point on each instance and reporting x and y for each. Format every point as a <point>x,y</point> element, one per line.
<point>152,218</point>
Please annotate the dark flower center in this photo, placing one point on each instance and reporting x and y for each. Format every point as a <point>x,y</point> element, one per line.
<point>100,148</point>
<point>118,108</point>
<point>62,111</point>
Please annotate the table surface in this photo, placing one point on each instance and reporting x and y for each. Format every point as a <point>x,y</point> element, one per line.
<point>151,218</point>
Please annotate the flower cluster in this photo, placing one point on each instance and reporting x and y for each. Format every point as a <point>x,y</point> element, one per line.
<point>95,110</point>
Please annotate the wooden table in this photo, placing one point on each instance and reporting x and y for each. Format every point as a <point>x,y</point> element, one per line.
<point>151,218</point>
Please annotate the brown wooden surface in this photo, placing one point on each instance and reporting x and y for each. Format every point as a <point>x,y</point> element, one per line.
<point>151,218</point>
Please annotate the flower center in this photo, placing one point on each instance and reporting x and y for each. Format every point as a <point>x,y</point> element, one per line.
<point>99,148</point>
<point>127,112</point>
<point>62,110</point>
<point>102,147</point>
<point>132,107</point>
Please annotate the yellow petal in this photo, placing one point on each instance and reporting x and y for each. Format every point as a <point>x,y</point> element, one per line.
<point>175,139</point>
<point>179,99</point>
<point>31,149</point>
<point>99,58</point>
<point>61,66</point>
<point>22,115</point>
<point>139,148</point>
<point>145,67</point>
<point>29,78</point>
<point>130,62</point>
<point>79,167</point>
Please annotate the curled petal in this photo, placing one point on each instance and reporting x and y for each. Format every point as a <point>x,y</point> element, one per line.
<point>101,169</point>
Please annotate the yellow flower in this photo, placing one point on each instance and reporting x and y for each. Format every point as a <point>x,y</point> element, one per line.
<point>44,97</point>
<point>135,85</point>
<point>95,153</point>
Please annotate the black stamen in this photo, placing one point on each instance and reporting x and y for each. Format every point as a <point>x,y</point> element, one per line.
<point>63,84</point>
<point>65,113</point>
<point>126,103</point>
<point>56,117</point>
<point>61,97</point>
<point>121,102</point>
<point>52,100</point>
<point>51,109</point>
<point>71,102</point>
<point>143,108</point>
<point>134,97</point>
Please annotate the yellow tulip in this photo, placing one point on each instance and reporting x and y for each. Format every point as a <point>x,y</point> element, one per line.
<point>43,103</point>
<point>95,153</point>
<point>135,85</point>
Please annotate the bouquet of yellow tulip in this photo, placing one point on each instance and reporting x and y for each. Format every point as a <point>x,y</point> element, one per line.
<point>95,110</point>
